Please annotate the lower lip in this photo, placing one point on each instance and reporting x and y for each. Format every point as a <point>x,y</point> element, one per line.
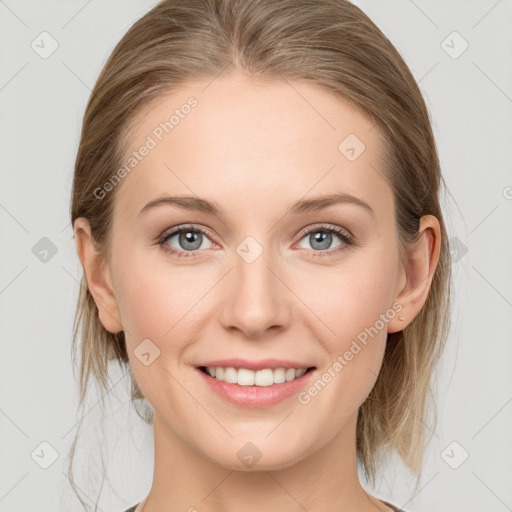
<point>256,396</point>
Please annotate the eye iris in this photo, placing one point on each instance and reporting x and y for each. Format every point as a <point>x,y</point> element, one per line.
<point>190,237</point>
<point>323,237</point>
<point>320,240</point>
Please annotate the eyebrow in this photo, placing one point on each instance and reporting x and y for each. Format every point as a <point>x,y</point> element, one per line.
<point>302,206</point>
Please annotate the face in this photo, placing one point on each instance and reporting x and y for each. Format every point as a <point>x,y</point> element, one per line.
<point>252,276</point>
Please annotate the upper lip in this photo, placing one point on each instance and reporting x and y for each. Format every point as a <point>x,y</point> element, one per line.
<point>256,365</point>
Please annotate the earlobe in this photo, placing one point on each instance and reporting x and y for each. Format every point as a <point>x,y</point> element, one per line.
<point>98,276</point>
<point>422,262</point>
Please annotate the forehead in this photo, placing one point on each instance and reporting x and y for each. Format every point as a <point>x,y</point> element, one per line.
<point>244,142</point>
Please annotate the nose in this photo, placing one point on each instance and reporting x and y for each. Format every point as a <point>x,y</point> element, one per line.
<point>257,299</point>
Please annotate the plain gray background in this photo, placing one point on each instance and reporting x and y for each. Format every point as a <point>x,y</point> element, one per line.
<point>42,100</point>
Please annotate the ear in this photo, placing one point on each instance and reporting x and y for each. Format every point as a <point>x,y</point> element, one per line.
<point>98,276</point>
<point>422,262</point>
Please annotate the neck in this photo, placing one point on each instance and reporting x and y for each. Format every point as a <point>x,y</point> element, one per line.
<point>324,480</point>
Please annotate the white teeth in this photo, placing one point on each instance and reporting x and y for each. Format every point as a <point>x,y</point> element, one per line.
<point>230,375</point>
<point>279,376</point>
<point>246,377</point>
<point>264,377</point>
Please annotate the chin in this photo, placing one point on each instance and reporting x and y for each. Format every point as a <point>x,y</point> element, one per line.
<point>253,456</point>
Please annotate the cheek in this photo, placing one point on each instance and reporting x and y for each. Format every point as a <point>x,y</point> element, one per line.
<point>147,304</point>
<point>350,298</point>
<point>162,302</point>
<point>350,308</point>
<point>157,303</point>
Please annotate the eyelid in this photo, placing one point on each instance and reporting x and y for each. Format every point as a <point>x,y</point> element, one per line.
<point>182,227</point>
<point>304,231</point>
<point>347,238</point>
<point>323,225</point>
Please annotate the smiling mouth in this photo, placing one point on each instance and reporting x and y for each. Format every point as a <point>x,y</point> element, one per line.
<point>246,377</point>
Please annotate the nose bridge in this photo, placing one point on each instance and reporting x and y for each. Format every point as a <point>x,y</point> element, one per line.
<point>256,301</point>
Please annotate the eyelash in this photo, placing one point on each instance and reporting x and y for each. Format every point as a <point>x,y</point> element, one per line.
<point>347,240</point>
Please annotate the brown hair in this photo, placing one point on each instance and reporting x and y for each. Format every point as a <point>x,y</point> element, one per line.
<point>328,43</point>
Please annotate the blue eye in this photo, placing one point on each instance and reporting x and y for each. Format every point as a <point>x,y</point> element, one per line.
<point>320,237</point>
<point>191,240</point>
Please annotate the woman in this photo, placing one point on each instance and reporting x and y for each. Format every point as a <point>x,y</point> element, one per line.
<point>255,206</point>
